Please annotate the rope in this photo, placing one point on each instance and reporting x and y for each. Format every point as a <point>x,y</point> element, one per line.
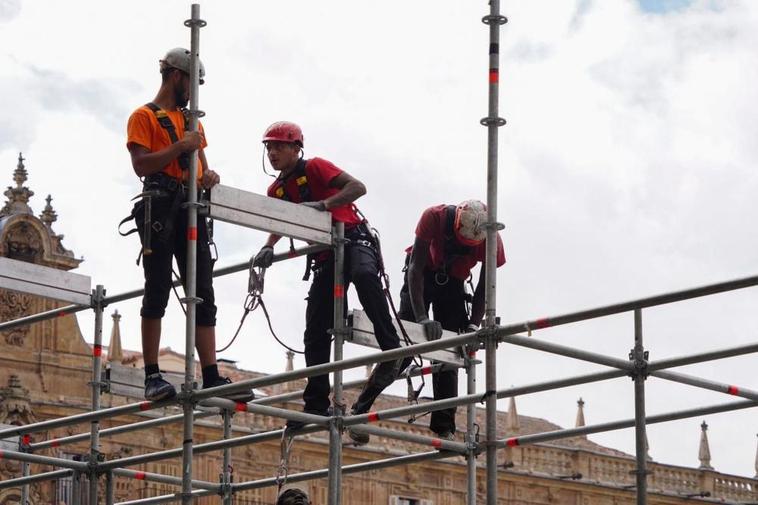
<point>253,300</point>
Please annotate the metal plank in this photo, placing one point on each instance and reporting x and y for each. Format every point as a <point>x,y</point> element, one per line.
<point>261,212</point>
<point>45,281</point>
<point>130,381</point>
<point>363,334</point>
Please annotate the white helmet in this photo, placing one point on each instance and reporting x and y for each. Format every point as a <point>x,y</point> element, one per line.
<point>470,217</point>
<point>179,58</point>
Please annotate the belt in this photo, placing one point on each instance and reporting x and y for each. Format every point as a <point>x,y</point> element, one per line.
<point>166,182</point>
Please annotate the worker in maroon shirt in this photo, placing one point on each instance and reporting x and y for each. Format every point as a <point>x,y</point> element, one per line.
<point>450,241</point>
<point>319,184</point>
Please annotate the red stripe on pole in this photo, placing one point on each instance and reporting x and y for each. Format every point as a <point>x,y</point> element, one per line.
<point>373,417</point>
<point>192,233</point>
<point>426,370</point>
<point>542,323</point>
<point>472,354</point>
<point>339,290</point>
<point>240,406</point>
<point>145,405</point>
<point>55,443</point>
<point>733,390</point>
<point>494,76</point>
<point>292,254</point>
<point>97,350</point>
<point>511,442</point>
<point>139,475</point>
<point>26,439</point>
<point>61,314</point>
<point>436,443</point>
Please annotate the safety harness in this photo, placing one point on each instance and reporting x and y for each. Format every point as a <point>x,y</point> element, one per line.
<point>159,185</point>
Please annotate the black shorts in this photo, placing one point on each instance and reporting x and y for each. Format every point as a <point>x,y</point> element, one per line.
<point>168,243</point>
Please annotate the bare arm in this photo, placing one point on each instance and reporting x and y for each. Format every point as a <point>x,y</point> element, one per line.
<point>350,190</point>
<point>416,267</point>
<point>147,163</point>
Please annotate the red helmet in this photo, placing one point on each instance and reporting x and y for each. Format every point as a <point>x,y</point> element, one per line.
<point>284,131</point>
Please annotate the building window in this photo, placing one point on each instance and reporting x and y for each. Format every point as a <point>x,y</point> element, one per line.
<point>404,500</point>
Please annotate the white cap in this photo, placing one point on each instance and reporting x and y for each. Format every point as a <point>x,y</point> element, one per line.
<point>179,58</point>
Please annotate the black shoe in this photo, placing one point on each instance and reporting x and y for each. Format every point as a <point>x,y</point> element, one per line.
<point>358,438</point>
<point>157,388</point>
<point>246,395</point>
<point>446,435</point>
<point>293,425</point>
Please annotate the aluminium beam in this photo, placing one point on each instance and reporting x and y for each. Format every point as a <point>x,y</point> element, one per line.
<point>31,479</point>
<point>165,479</point>
<point>46,282</point>
<point>363,334</point>
<point>272,215</point>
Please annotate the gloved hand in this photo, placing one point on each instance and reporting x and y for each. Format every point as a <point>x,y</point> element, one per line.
<point>320,205</point>
<point>432,329</point>
<point>471,328</point>
<point>265,257</point>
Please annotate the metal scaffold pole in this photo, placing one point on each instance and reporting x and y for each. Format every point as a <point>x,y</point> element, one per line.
<point>226,473</point>
<point>191,300</point>
<point>492,122</point>
<point>98,296</point>
<point>639,358</point>
<point>335,426</point>
<point>471,441</point>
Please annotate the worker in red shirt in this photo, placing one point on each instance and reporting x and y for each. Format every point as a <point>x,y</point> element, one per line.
<point>450,241</point>
<point>319,184</point>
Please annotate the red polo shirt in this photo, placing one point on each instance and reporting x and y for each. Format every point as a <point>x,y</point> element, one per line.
<point>319,173</point>
<point>431,228</point>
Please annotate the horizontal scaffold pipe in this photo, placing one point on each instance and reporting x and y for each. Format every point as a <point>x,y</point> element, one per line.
<point>266,411</point>
<point>348,469</point>
<point>312,371</point>
<point>719,387</point>
<point>116,430</point>
<point>618,308</point>
<point>702,357</point>
<point>31,479</point>
<point>168,498</point>
<point>618,425</point>
<point>201,448</point>
<point>165,479</point>
<point>72,309</point>
<point>85,417</point>
<point>437,443</point>
<point>44,460</point>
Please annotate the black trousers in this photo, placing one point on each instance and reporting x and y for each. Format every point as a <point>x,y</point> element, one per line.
<point>362,270</point>
<point>448,304</point>
<point>168,243</point>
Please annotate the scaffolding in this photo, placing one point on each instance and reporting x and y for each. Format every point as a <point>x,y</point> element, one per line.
<point>291,220</point>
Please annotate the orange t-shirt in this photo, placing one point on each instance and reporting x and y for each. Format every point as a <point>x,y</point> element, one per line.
<point>144,129</point>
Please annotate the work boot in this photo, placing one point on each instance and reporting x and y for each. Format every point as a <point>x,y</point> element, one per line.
<point>246,395</point>
<point>358,438</point>
<point>293,425</point>
<point>446,435</point>
<point>157,388</point>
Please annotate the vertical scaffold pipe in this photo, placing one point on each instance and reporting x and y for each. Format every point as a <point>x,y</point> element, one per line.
<point>226,474</point>
<point>191,300</point>
<point>640,432</point>
<point>109,495</point>
<point>98,295</point>
<point>335,427</point>
<point>470,422</point>
<point>492,122</point>
<point>25,487</point>
<point>76,489</point>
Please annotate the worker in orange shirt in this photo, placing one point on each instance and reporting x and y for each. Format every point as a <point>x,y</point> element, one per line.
<point>160,149</point>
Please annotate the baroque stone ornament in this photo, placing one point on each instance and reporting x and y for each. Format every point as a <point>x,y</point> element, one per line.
<point>15,408</point>
<point>12,306</point>
<point>24,243</point>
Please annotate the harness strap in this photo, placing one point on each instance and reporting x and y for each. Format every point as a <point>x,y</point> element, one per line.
<point>168,125</point>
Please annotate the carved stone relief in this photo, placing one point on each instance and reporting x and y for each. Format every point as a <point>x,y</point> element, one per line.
<point>12,306</point>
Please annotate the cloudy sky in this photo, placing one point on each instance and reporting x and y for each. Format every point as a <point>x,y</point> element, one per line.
<point>626,167</point>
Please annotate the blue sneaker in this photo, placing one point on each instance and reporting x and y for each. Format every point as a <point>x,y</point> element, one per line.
<point>157,388</point>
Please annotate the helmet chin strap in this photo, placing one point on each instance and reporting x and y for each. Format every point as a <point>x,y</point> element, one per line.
<point>263,163</point>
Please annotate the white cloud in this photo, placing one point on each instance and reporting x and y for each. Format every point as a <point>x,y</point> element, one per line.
<point>626,167</point>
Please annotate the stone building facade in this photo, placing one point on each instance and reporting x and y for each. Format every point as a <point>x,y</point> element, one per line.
<point>45,369</point>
